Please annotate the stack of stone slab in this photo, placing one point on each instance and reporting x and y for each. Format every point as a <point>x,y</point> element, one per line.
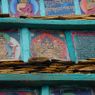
<point>45,65</point>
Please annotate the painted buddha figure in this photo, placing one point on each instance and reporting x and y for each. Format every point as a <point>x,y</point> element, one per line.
<point>49,46</point>
<point>24,8</point>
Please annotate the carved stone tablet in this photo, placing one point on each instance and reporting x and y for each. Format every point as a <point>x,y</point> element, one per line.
<point>84,43</point>
<point>59,7</point>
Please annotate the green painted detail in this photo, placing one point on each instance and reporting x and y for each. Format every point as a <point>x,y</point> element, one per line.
<point>45,90</point>
<point>76,39</point>
<point>22,57</point>
<point>70,45</point>
<point>6,36</point>
<point>4,6</point>
<point>25,44</point>
<point>77,7</point>
<point>42,8</point>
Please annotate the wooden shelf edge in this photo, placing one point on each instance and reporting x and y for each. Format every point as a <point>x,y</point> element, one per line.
<point>38,80</point>
<point>46,24</point>
<point>47,77</point>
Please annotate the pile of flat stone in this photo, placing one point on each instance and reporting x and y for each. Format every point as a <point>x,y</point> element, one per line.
<point>45,65</point>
